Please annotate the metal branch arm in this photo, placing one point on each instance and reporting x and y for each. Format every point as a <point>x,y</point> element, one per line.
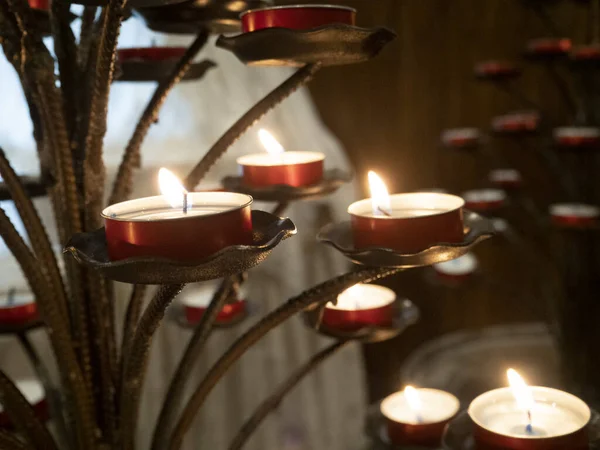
<point>174,396</point>
<point>122,186</point>
<point>136,362</point>
<point>320,294</point>
<point>280,93</point>
<point>273,401</point>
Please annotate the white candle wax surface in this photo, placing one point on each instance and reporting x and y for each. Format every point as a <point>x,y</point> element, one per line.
<point>17,298</point>
<point>436,406</point>
<point>415,204</point>
<point>574,210</point>
<point>31,389</point>
<point>201,294</point>
<point>463,265</point>
<point>484,195</point>
<point>555,413</point>
<point>158,207</point>
<point>280,159</point>
<point>363,296</point>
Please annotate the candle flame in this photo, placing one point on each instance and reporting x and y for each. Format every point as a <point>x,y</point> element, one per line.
<point>380,198</point>
<point>171,188</point>
<point>520,390</point>
<point>271,144</point>
<point>413,399</point>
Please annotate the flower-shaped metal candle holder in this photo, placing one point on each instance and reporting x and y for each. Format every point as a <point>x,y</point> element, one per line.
<point>329,45</point>
<point>332,180</point>
<point>90,249</point>
<point>145,69</point>
<point>188,17</point>
<point>339,236</point>
<point>407,314</point>
<point>459,433</point>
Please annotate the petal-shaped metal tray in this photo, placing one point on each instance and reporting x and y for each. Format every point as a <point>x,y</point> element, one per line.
<point>376,429</point>
<point>330,45</point>
<point>332,180</point>
<point>339,236</point>
<point>459,433</point>
<point>143,71</point>
<point>34,186</point>
<point>407,314</point>
<point>90,250</point>
<point>189,17</point>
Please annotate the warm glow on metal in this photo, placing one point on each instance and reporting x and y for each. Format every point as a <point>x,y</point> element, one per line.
<point>413,399</point>
<point>171,188</point>
<point>520,390</point>
<point>380,198</point>
<point>271,144</point>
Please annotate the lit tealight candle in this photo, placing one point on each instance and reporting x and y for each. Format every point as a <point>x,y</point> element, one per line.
<point>461,137</point>
<point>33,391</point>
<point>279,167</point>
<point>178,225</point>
<point>418,416</point>
<point>549,47</point>
<point>577,136</point>
<point>506,178</point>
<point>360,306</point>
<point>17,307</point>
<point>516,122</point>
<point>529,418</point>
<point>195,302</point>
<point>484,200</point>
<point>407,223</point>
<point>458,269</point>
<point>576,215</point>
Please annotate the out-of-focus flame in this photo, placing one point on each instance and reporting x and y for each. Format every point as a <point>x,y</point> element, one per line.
<point>172,189</point>
<point>271,144</point>
<point>520,390</point>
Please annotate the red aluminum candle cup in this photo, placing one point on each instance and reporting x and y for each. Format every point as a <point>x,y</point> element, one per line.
<point>297,17</point>
<point>484,200</point>
<point>40,4</point>
<point>418,221</point>
<point>506,178</point>
<point>559,421</point>
<point>549,46</point>
<point>150,53</point>
<point>152,227</point>
<point>18,307</point>
<point>360,306</point>
<point>461,137</point>
<point>230,311</point>
<point>577,136</point>
<point>295,169</point>
<point>519,122</point>
<point>576,215</point>
<point>33,392</point>
<point>459,269</point>
<point>403,427</point>
<point>586,53</point>
<point>496,69</point>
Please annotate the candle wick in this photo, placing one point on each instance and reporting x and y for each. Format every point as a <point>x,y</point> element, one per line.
<point>529,427</point>
<point>11,296</point>
<point>382,211</point>
<point>185,202</point>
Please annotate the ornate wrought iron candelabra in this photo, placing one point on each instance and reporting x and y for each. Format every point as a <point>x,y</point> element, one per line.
<point>95,405</point>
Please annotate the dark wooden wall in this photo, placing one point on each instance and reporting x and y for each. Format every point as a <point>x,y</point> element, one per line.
<point>389,114</point>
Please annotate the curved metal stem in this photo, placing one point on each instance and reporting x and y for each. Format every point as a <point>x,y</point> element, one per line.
<point>52,394</point>
<point>273,401</point>
<point>174,396</point>
<point>131,157</point>
<point>280,208</point>
<point>136,362</point>
<point>322,293</point>
<point>284,90</point>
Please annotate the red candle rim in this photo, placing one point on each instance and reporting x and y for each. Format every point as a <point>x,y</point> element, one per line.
<point>485,397</point>
<point>214,196</point>
<point>323,6</point>
<point>357,208</point>
<point>448,395</point>
<point>315,157</point>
